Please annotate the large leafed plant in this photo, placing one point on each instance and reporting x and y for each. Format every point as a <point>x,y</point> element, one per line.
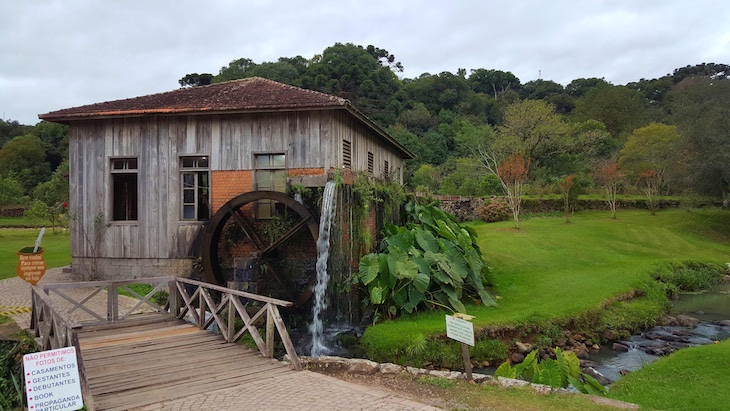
<point>432,261</point>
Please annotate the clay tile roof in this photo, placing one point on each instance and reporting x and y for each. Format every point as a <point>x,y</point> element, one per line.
<point>253,94</point>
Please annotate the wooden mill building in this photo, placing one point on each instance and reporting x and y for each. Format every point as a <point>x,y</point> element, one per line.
<point>147,173</point>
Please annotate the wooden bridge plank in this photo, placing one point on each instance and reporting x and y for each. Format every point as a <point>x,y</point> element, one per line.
<point>103,380</point>
<point>134,400</point>
<point>147,318</point>
<point>137,327</point>
<point>122,364</point>
<point>136,333</point>
<point>150,347</point>
<point>127,339</point>
<point>212,370</point>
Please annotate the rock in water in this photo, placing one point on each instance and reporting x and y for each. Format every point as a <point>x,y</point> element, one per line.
<point>610,335</point>
<point>620,347</point>
<point>597,375</point>
<point>687,321</point>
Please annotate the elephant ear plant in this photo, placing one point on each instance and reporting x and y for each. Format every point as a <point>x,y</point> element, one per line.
<point>561,372</point>
<point>432,261</point>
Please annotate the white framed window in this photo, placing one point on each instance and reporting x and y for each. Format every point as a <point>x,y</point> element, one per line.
<point>195,188</point>
<point>124,188</point>
<point>270,175</point>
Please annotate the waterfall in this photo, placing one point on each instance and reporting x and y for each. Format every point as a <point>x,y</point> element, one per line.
<point>323,251</point>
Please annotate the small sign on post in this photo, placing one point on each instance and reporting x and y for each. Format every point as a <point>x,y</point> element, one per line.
<point>31,265</point>
<point>52,380</point>
<point>459,329</point>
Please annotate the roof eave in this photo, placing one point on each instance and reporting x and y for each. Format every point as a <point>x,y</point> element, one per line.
<point>360,116</point>
<point>65,119</point>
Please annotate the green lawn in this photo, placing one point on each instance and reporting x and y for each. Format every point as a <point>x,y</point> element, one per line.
<point>56,244</point>
<point>694,378</point>
<point>551,270</point>
<point>30,222</point>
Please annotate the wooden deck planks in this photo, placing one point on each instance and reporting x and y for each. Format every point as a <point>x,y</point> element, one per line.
<point>145,361</point>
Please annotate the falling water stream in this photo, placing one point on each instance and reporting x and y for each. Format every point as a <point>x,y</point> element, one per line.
<point>323,252</point>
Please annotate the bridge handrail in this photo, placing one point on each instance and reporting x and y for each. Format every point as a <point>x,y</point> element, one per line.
<point>199,305</point>
<point>54,329</point>
<point>231,302</point>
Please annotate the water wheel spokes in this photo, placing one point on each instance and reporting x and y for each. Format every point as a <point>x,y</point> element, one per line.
<point>264,252</point>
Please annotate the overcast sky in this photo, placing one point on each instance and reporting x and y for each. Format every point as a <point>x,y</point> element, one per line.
<point>59,54</point>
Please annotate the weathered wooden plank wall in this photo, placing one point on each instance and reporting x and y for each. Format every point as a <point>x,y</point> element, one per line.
<point>365,140</point>
<point>310,139</point>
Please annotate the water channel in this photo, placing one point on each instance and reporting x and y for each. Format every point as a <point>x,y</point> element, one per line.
<point>710,308</point>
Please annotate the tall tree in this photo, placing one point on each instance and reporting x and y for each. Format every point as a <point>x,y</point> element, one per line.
<point>493,82</point>
<point>349,71</point>
<point>24,158</point>
<point>619,108</point>
<point>701,109</point>
<point>10,129</point>
<point>533,129</point>
<point>195,79</point>
<point>539,89</point>
<point>580,86</point>
<point>55,141</point>
<point>648,155</point>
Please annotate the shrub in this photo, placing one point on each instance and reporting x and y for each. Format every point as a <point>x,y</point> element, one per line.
<point>689,276</point>
<point>494,210</point>
<point>558,373</point>
<point>433,261</point>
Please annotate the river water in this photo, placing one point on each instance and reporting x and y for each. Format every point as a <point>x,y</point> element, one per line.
<point>709,307</point>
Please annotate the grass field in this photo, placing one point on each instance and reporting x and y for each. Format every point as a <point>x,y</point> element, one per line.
<point>549,270</point>
<point>694,378</point>
<point>30,222</point>
<point>56,244</point>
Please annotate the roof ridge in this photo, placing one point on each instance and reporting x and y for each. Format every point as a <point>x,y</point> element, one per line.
<point>307,90</point>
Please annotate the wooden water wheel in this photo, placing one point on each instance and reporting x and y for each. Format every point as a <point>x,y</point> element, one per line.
<point>280,247</point>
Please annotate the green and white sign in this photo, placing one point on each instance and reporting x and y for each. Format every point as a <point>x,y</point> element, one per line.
<point>460,330</point>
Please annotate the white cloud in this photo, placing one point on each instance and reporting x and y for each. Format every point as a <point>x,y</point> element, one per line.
<point>58,54</point>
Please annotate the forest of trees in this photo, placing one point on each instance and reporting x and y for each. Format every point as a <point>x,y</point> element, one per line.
<point>675,128</point>
<point>671,134</point>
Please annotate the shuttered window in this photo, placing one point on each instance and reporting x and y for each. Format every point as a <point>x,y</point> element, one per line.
<point>346,154</point>
<point>386,171</point>
<point>371,162</point>
<point>124,189</point>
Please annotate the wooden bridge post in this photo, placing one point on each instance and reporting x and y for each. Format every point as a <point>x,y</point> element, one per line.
<point>173,298</point>
<point>112,302</point>
<point>231,319</point>
<point>269,331</point>
<point>201,304</point>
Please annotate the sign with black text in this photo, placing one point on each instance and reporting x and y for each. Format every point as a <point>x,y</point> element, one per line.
<point>460,330</point>
<point>52,380</point>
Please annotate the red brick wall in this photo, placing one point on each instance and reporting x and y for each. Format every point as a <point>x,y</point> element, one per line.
<point>227,184</point>
<point>305,172</point>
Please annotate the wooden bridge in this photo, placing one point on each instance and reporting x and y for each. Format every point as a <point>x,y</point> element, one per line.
<point>130,358</point>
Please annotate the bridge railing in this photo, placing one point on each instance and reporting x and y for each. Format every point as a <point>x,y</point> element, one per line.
<point>202,303</point>
<point>54,329</point>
